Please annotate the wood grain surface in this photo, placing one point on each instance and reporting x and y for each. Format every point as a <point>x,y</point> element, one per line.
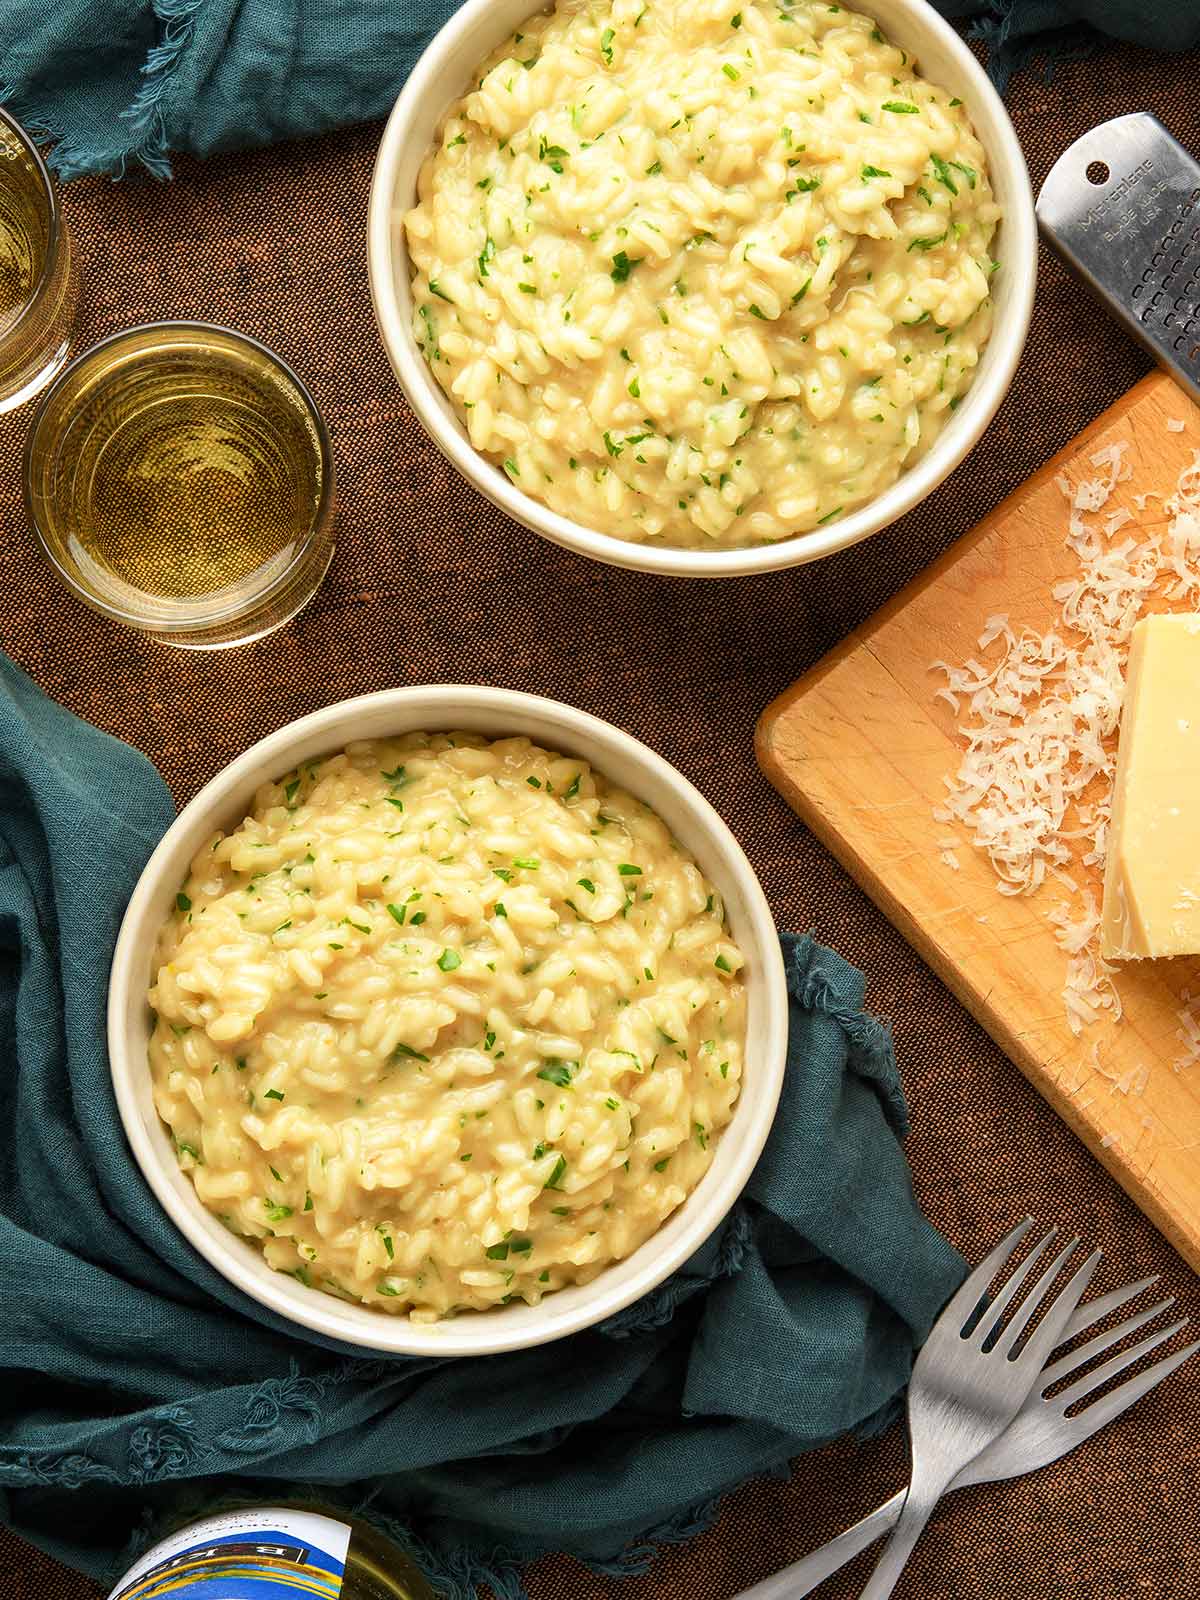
<point>861,748</point>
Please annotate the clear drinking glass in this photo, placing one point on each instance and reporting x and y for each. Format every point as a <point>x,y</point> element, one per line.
<point>37,278</point>
<point>180,480</point>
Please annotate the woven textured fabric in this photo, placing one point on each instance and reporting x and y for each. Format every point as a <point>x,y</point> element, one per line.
<point>429,582</point>
<point>124,83</point>
<point>824,1264</point>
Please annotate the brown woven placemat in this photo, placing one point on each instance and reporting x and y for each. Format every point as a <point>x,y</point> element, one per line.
<point>430,583</point>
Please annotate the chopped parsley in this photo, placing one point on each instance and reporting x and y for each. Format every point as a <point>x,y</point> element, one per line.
<point>903,108</point>
<point>942,170</point>
<point>182,901</point>
<point>558,1072</point>
<point>555,1179</point>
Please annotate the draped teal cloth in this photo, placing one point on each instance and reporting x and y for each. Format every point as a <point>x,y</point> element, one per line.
<point>135,1383</point>
<point>120,84</point>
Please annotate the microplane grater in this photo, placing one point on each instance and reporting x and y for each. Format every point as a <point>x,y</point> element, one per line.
<point>1131,229</point>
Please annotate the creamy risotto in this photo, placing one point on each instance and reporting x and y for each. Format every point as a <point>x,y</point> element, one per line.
<point>703,272</point>
<point>445,1023</point>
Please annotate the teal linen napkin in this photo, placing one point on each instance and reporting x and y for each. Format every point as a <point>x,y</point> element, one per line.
<point>121,83</point>
<point>136,1383</point>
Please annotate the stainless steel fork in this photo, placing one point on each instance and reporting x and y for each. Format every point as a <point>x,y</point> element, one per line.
<point>970,1379</point>
<point>1040,1433</point>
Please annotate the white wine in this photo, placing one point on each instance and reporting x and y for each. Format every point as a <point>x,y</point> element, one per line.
<point>274,1553</point>
<point>37,283</point>
<point>180,479</point>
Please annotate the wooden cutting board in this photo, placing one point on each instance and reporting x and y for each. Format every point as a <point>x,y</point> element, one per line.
<point>860,748</point>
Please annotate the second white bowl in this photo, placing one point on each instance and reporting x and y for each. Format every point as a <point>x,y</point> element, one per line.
<point>494,712</point>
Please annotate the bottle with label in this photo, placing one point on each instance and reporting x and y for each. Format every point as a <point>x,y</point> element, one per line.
<point>274,1553</point>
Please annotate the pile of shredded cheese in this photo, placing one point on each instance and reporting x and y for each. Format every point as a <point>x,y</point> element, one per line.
<point>1040,717</point>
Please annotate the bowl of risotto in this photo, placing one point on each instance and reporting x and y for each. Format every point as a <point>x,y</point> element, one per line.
<point>447,1020</point>
<point>702,287</point>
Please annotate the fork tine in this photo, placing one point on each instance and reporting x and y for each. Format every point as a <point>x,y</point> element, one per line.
<point>1101,1412</point>
<point>1049,1330</point>
<point>1103,1306</point>
<point>965,1302</point>
<point>993,1314</point>
<point>1091,1381</point>
<point>1065,1365</point>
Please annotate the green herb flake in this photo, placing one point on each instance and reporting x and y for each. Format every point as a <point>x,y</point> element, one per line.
<point>875,172</point>
<point>929,243</point>
<point>902,108</point>
<point>731,72</point>
<point>273,1094</point>
<point>558,1072</point>
<point>628,870</point>
<point>449,961</point>
<point>554,1181</point>
<point>182,902</point>
<point>275,1211</point>
<point>405,1052</point>
<point>942,170</point>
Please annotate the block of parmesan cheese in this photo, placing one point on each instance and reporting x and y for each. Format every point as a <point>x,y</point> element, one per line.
<point>1152,877</point>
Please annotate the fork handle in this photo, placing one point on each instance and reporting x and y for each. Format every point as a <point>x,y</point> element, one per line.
<point>923,1496</point>
<point>803,1576</point>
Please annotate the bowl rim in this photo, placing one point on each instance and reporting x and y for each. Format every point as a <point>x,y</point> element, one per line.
<point>980,402</point>
<point>629,1279</point>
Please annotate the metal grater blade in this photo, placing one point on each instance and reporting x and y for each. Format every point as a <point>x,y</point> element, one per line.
<point>1135,235</point>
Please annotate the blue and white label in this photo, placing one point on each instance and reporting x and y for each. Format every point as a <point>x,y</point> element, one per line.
<point>264,1553</point>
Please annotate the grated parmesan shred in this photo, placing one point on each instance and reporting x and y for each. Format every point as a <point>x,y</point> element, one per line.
<point>1039,716</point>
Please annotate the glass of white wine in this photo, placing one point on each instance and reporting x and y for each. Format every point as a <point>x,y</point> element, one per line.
<point>37,278</point>
<point>180,480</point>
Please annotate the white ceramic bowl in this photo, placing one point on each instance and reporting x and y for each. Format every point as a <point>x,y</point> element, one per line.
<point>443,74</point>
<point>495,712</point>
